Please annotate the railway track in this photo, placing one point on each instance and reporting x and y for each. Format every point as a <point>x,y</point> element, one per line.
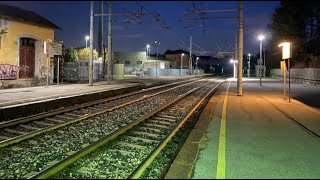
<point>129,151</point>
<point>24,158</point>
<point>23,128</point>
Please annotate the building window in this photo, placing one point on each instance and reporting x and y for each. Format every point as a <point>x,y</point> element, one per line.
<point>139,62</point>
<point>27,42</point>
<point>127,62</point>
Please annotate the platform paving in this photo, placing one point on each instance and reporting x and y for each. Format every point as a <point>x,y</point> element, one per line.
<point>264,136</point>
<point>46,93</point>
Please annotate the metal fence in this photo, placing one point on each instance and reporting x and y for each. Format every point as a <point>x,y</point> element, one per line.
<point>79,71</point>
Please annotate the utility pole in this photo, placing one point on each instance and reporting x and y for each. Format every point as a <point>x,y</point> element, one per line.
<point>235,66</point>
<point>190,57</point>
<point>104,62</point>
<point>240,51</point>
<point>109,44</point>
<point>100,35</point>
<point>264,63</point>
<point>91,45</point>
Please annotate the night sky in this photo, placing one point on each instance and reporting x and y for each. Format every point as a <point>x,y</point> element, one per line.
<point>73,18</point>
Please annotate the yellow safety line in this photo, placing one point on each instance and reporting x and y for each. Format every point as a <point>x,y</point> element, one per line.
<point>221,166</point>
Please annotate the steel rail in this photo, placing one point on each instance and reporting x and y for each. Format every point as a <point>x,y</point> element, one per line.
<point>59,111</point>
<point>42,130</point>
<point>145,163</point>
<point>56,167</point>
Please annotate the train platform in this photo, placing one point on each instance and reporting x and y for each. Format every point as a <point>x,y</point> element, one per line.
<point>18,96</point>
<point>19,102</point>
<point>256,135</point>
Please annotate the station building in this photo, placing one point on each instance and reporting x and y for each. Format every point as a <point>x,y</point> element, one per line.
<point>22,58</point>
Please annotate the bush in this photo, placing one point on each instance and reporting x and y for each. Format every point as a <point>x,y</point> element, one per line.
<point>84,54</point>
<point>71,55</point>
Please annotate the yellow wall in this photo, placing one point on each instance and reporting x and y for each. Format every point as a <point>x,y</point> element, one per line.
<point>9,52</point>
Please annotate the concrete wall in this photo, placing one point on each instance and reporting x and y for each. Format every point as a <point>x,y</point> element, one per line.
<point>10,44</point>
<point>306,76</point>
<point>307,73</point>
<point>171,72</point>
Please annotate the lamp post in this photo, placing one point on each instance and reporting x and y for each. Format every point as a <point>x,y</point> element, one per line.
<point>87,38</point>
<point>157,43</point>
<point>234,67</point>
<point>197,64</point>
<point>148,49</point>
<point>260,38</point>
<point>248,72</point>
<point>181,62</point>
<point>264,63</point>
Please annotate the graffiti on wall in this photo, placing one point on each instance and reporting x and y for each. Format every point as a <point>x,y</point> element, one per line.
<point>8,71</point>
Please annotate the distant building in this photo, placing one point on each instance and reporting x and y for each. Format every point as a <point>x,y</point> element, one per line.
<point>22,35</point>
<point>208,63</point>
<point>133,61</point>
<point>176,57</point>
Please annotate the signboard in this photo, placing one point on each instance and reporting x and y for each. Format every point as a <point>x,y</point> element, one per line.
<point>52,48</point>
<point>286,50</point>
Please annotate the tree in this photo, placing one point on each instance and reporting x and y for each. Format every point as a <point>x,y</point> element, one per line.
<point>297,22</point>
<point>84,54</point>
<point>71,55</point>
<point>289,23</point>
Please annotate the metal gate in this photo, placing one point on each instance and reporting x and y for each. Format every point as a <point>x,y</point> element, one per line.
<point>27,58</point>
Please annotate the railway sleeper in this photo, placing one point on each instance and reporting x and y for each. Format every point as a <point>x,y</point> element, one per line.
<point>152,125</point>
<point>165,119</point>
<point>42,123</point>
<point>164,123</point>
<point>15,131</point>
<point>122,152</point>
<point>94,108</point>
<point>142,139</point>
<point>72,115</point>
<point>139,142</point>
<point>3,138</point>
<point>168,116</point>
<point>135,146</point>
<point>55,120</point>
<point>148,129</point>
<point>65,117</point>
<point>29,127</point>
<point>147,135</point>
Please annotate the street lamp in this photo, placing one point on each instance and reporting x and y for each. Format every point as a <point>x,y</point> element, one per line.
<point>181,62</point>
<point>248,72</point>
<point>197,64</point>
<point>148,50</point>
<point>87,38</point>
<point>234,67</point>
<point>157,43</point>
<point>260,38</point>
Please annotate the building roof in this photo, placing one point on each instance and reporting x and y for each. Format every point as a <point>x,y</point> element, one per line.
<point>18,14</point>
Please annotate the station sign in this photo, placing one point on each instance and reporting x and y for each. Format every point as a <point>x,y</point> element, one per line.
<point>286,50</point>
<point>52,48</point>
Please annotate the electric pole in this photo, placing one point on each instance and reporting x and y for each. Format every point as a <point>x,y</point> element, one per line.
<point>109,44</point>
<point>240,49</point>
<point>91,45</point>
<point>190,57</point>
<point>100,35</point>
